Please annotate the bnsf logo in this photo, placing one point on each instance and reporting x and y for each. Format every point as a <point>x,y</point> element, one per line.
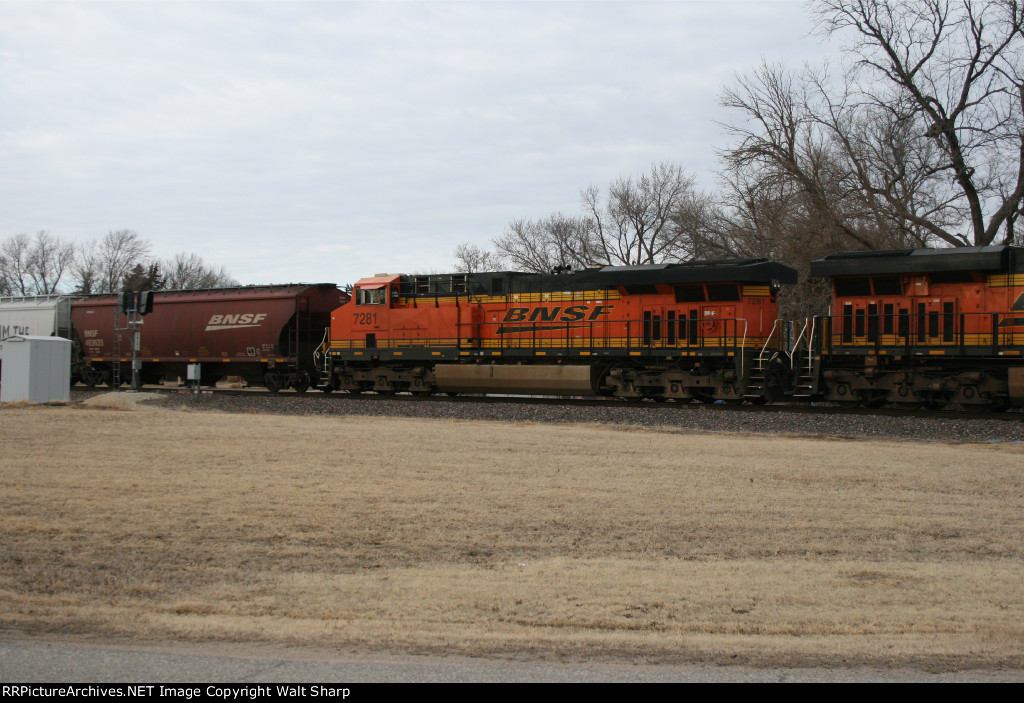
<point>573,313</point>
<point>231,322</point>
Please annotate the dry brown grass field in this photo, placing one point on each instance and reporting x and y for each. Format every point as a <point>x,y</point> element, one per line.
<point>510,539</point>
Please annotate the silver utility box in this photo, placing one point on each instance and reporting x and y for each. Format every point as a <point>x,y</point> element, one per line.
<point>35,369</point>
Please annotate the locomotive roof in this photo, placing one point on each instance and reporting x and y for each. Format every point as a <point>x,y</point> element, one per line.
<point>867,263</point>
<point>734,270</point>
<point>724,270</point>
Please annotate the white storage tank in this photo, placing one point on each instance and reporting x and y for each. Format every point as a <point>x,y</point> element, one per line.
<point>35,369</point>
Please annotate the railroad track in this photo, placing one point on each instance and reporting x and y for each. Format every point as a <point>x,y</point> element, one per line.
<point>581,402</point>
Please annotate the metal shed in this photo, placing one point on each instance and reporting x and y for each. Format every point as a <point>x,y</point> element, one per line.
<point>35,369</point>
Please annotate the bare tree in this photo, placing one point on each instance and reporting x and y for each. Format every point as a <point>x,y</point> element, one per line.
<point>33,265</point>
<point>120,251</point>
<point>101,267</point>
<point>144,277</point>
<point>49,259</point>
<point>86,268</point>
<point>469,258</point>
<point>655,218</point>
<point>647,220</point>
<point>958,67</point>
<point>555,242</point>
<point>14,265</point>
<point>189,271</point>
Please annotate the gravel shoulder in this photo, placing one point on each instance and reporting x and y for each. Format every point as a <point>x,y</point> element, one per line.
<point>689,418</point>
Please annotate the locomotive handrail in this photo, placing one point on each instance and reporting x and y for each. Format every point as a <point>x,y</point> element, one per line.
<point>799,337</point>
<point>325,344</point>
<point>743,357</point>
<point>812,323</point>
<point>768,341</point>
<point>962,333</point>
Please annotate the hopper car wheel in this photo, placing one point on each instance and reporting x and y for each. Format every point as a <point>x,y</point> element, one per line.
<point>271,383</point>
<point>301,386</point>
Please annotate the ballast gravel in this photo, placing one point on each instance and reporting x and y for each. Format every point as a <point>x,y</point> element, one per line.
<point>684,418</point>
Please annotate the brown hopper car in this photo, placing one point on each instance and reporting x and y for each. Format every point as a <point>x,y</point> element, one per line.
<point>267,335</point>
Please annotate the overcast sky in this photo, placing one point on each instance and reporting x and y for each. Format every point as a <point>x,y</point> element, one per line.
<point>328,141</point>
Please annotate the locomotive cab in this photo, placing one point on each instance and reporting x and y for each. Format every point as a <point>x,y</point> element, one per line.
<point>923,327</point>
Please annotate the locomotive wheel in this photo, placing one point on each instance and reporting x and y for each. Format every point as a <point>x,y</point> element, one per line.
<point>876,401</point>
<point>971,400</point>
<point>845,397</point>
<point>907,399</point>
<point>998,404</point>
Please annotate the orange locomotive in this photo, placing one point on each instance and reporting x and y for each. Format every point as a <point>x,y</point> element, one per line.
<point>932,327</point>
<point>701,330</point>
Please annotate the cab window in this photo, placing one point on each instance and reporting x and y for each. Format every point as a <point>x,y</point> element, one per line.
<point>371,296</point>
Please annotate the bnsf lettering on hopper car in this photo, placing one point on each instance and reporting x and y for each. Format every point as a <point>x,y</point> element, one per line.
<point>227,322</point>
